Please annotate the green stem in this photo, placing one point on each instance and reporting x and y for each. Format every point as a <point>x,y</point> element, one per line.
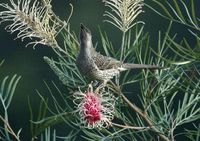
<point>121,56</point>
<point>130,127</point>
<point>5,117</point>
<point>122,46</point>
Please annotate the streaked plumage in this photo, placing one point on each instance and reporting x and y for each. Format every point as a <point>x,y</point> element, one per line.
<point>96,66</point>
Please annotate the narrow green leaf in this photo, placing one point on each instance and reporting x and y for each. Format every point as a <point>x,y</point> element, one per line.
<point>3,86</point>
<point>1,63</point>
<point>194,18</point>
<point>31,116</point>
<point>11,88</point>
<point>178,10</point>
<point>164,9</point>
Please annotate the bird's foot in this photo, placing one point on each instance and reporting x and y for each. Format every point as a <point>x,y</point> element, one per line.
<point>95,83</point>
<point>101,86</point>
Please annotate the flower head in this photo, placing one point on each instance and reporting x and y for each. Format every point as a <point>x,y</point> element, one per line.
<point>95,110</point>
<point>124,13</point>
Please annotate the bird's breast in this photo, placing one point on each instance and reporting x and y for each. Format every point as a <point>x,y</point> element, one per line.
<point>84,64</point>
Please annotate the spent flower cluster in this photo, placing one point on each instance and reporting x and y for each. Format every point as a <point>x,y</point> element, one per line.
<point>31,20</point>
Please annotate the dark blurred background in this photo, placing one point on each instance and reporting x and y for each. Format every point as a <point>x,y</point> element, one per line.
<point>28,62</point>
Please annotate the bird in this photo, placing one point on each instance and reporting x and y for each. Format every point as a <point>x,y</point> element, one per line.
<point>95,66</point>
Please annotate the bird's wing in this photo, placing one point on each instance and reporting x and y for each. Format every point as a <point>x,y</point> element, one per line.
<point>95,73</point>
<point>104,75</point>
<point>105,62</point>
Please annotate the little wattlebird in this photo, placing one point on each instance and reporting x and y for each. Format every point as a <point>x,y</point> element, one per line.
<point>98,67</point>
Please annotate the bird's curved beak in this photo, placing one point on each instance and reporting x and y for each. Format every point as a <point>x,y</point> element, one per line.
<point>82,26</point>
<point>84,29</point>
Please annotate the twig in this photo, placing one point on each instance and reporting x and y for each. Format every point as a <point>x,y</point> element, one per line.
<point>139,111</point>
<point>9,129</point>
<point>129,127</point>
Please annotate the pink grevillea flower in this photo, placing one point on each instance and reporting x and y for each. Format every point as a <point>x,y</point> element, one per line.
<point>95,110</point>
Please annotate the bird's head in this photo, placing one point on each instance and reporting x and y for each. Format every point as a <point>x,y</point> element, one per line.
<point>85,35</point>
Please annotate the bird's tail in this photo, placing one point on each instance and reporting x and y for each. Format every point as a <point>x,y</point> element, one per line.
<point>140,66</point>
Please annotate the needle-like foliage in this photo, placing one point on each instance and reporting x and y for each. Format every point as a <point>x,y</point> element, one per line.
<point>182,12</point>
<point>7,90</point>
<point>141,105</point>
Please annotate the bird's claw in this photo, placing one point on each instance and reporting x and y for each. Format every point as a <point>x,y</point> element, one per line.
<point>101,86</point>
